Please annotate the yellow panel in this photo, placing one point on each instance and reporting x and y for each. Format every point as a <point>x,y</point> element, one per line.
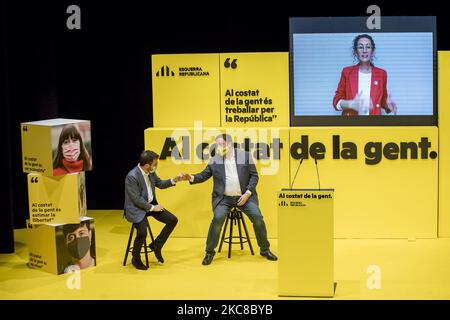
<point>55,199</point>
<point>305,243</point>
<point>42,248</point>
<point>192,204</point>
<point>254,89</point>
<point>182,93</point>
<point>392,199</point>
<point>444,143</point>
<point>36,149</point>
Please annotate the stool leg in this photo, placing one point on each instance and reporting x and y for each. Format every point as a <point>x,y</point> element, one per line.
<point>128,246</point>
<point>146,252</point>
<point>239,217</point>
<point>223,233</point>
<point>248,237</point>
<point>230,239</point>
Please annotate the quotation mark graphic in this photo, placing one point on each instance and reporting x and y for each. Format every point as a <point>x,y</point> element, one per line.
<point>34,180</point>
<point>233,64</point>
<point>24,128</point>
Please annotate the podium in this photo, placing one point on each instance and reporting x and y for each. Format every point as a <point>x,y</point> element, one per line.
<point>305,242</point>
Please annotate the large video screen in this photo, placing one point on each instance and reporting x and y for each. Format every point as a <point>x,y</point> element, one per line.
<point>342,73</point>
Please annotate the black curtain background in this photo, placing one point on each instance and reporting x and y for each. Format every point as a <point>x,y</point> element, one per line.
<point>102,72</point>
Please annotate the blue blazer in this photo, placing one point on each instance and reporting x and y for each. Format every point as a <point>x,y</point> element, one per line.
<point>136,194</point>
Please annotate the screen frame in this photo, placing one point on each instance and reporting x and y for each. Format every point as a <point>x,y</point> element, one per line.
<point>358,25</point>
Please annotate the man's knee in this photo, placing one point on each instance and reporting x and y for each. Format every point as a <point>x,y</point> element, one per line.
<point>218,219</point>
<point>173,221</point>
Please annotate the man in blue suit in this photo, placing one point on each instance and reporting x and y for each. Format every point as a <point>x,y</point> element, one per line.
<point>140,202</point>
<point>235,179</point>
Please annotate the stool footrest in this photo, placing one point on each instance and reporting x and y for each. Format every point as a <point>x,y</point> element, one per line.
<point>235,217</point>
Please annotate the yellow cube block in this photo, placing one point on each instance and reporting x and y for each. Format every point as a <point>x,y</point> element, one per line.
<point>56,147</point>
<point>56,199</point>
<point>62,248</point>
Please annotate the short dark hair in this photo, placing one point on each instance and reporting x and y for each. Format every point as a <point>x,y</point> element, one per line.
<point>70,228</point>
<point>225,136</point>
<point>147,157</point>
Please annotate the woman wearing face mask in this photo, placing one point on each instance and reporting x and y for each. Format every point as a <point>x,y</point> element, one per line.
<point>78,241</point>
<point>362,89</point>
<point>71,155</point>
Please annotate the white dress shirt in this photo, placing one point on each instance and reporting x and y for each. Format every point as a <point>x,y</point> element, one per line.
<point>232,185</point>
<point>364,81</point>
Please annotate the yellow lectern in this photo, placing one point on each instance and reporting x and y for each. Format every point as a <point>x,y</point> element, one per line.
<point>305,242</point>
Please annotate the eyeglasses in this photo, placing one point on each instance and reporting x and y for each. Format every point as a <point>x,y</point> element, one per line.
<point>361,47</point>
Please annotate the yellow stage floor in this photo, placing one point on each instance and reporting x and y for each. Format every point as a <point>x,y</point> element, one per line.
<point>408,270</point>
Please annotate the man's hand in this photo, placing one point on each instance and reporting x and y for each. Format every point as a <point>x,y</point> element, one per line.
<point>179,177</point>
<point>158,208</point>
<point>186,176</point>
<point>243,199</point>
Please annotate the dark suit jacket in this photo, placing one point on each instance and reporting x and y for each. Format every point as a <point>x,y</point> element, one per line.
<point>348,88</point>
<point>248,176</point>
<point>136,194</point>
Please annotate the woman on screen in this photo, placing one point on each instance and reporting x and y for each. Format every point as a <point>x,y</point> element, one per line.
<point>362,89</point>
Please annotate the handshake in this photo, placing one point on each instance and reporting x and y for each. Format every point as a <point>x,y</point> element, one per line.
<point>182,177</point>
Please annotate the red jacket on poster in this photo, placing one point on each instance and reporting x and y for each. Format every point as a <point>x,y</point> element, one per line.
<point>348,89</point>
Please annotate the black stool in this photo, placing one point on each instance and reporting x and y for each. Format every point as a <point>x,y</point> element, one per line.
<point>130,249</point>
<point>235,216</point>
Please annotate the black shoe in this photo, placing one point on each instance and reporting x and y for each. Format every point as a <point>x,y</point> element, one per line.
<point>137,263</point>
<point>157,252</point>
<point>208,258</point>
<point>269,255</point>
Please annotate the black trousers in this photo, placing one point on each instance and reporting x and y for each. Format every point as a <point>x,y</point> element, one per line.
<point>166,217</point>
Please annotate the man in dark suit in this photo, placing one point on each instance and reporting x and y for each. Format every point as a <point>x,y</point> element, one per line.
<point>235,179</point>
<point>140,202</point>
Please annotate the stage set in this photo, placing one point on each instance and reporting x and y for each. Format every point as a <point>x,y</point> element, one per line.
<point>353,176</point>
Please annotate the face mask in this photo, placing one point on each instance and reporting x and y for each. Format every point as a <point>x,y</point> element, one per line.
<point>222,151</point>
<point>71,150</point>
<point>79,247</point>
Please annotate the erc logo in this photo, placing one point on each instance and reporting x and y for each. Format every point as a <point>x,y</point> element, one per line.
<point>165,72</point>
